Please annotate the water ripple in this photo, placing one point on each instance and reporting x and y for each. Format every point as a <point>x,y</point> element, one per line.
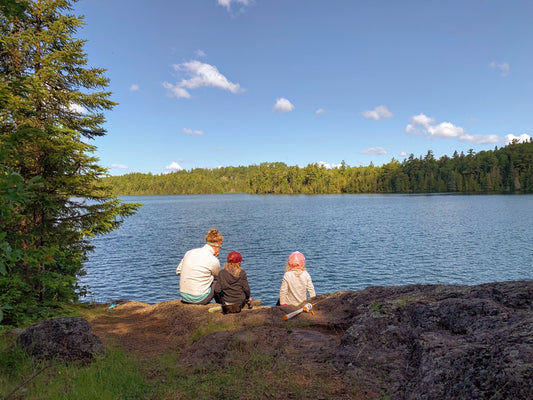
<point>350,241</point>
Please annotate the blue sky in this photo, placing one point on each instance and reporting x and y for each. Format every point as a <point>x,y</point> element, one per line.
<point>209,83</point>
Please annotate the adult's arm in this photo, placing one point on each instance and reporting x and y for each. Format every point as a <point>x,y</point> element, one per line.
<point>178,270</point>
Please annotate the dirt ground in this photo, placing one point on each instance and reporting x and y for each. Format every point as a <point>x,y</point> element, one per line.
<point>201,337</point>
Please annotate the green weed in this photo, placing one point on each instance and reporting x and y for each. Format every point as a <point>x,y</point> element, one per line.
<point>114,376</point>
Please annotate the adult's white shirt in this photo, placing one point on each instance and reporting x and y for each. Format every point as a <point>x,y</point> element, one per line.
<point>197,270</point>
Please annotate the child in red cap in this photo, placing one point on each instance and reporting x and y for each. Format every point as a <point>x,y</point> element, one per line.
<point>231,287</point>
<point>296,281</point>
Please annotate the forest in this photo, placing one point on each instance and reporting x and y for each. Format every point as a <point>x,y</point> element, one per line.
<point>503,170</point>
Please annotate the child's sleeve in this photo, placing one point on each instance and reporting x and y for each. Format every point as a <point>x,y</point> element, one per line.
<point>245,285</point>
<point>310,287</point>
<point>283,291</point>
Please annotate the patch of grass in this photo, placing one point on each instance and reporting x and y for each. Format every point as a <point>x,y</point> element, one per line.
<point>400,303</point>
<point>375,307</point>
<point>260,376</point>
<point>210,327</point>
<point>114,376</point>
<point>117,376</point>
<point>250,374</point>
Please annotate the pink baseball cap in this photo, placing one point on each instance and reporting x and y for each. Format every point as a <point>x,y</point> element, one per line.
<point>297,258</point>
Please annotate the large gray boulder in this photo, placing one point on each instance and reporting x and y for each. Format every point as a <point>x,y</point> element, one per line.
<point>66,339</point>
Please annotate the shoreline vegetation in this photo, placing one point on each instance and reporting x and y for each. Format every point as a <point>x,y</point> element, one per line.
<point>503,170</point>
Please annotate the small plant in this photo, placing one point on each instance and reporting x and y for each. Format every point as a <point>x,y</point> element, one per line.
<point>404,301</point>
<point>210,327</point>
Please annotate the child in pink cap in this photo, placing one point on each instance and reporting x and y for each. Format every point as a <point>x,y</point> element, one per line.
<point>296,282</point>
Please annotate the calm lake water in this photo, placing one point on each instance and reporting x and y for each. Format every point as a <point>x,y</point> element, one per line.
<point>350,241</point>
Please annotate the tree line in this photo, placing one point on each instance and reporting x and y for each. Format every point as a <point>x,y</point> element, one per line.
<point>503,170</point>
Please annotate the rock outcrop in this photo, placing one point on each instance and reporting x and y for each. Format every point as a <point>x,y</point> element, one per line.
<point>404,342</point>
<point>441,342</point>
<point>66,338</point>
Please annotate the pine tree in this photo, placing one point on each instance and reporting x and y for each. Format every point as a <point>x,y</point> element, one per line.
<point>51,107</point>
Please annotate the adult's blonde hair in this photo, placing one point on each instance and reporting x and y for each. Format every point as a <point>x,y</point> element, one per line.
<point>234,268</point>
<point>214,236</point>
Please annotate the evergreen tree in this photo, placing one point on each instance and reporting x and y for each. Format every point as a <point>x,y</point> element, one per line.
<point>51,106</point>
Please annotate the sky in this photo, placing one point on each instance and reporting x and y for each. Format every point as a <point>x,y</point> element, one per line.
<point>214,83</point>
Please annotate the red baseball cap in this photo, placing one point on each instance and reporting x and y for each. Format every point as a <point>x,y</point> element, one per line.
<point>234,257</point>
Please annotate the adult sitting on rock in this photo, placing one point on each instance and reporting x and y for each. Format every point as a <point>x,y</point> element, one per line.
<point>198,270</point>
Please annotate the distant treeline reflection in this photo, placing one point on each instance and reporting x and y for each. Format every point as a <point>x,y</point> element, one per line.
<point>508,169</point>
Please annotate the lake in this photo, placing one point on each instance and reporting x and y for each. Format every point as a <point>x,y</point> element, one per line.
<point>350,241</point>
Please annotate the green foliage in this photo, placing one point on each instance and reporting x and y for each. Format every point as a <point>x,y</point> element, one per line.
<point>120,376</point>
<point>52,199</point>
<point>115,376</point>
<point>505,170</point>
<point>209,328</point>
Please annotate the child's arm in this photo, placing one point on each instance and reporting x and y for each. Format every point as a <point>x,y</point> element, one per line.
<point>283,291</point>
<point>310,287</point>
<point>245,285</point>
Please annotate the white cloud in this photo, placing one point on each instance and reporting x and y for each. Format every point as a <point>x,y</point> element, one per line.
<point>377,113</point>
<point>176,91</point>
<point>504,68</point>
<point>424,125</point>
<point>319,111</point>
<point>134,87</point>
<point>327,165</point>
<point>375,151</point>
<point>283,105</point>
<point>446,130</point>
<point>73,107</point>
<point>200,53</point>
<point>201,75</point>
<point>508,139</point>
<point>421,119</point>
<point>402,154</point>
<point>174,166</point>
<point>188,131</point>
<point>119,166</point>
<point>480,139</point>
<point>227,3</point>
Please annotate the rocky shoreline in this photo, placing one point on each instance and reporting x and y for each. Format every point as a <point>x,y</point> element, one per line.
<point>401,342</point>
